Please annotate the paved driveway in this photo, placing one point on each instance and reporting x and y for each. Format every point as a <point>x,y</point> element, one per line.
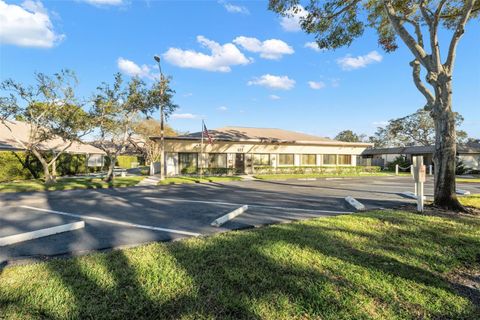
<point>131,216</point>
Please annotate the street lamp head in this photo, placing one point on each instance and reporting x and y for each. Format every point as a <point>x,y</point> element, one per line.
<point>157,58</point>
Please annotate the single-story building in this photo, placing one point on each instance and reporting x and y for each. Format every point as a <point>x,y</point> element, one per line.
<point>469,155</point>
<point>242,150</point>
<point>21,130</point>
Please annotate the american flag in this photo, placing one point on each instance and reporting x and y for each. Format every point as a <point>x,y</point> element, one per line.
<point>207,134</point>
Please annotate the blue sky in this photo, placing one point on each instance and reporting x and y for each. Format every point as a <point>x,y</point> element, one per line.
<point>232,63</point>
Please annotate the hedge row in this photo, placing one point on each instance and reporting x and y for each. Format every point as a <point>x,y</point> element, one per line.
<point>20,165</point>
<point>339,170</point>
<point>126,162</point>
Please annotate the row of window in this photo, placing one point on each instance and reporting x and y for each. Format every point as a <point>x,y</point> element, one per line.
<point>305,159</point>
<point>219,160</point>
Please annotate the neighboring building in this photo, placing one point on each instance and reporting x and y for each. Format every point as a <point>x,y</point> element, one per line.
<point>242,150</point>
<point>21,130</point>
<point>468,154</point>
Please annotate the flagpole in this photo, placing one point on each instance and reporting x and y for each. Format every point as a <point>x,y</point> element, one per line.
<point>201,151</point>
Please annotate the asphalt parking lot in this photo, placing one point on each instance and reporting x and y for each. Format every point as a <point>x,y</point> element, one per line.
<point>130,216</point>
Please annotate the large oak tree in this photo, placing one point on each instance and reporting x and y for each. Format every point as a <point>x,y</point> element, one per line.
<point>336,23</point>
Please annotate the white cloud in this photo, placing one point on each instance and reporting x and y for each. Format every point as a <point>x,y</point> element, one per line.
<point>134,70</point>
<point>27,25</point>
<point>221,59</point>
<point>274,97</point>
<point>274,82</point>
<point>314,46</point>
<point>184,116</point>
<point>188,94</point>
<point>272,49</point>
<point>234,8</point>
<point>222,108</point>
<point>104,2</point>
<point>316,85</point>
<point>351,63</point>
<point>291,22</point>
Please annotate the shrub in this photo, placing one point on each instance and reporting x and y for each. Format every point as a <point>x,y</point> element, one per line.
<point>125,162</point>
<point>401,161</point>
<point>335,170</point>
<point>21,165</point>
<point>71,164</point>
<point>12,167</point>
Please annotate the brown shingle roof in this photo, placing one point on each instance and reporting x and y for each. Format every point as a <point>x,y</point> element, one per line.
<point>271,135</point>
<point>21,130</point>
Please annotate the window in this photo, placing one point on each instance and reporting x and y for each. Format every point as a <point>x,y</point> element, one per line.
<point>261,159</point>
<point>187,162</point>
<point>309,159</point>
<point>285,159</point>
<point>217,160</point>
<point>344,159</point>
<point>329,159</point>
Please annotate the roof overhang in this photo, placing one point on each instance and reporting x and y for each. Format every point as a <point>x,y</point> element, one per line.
<point>272,141</point>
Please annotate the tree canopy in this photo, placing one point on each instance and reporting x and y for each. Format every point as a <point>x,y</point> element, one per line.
<point>414,129</point>
<point>349,136</point>
<point>51,110</point>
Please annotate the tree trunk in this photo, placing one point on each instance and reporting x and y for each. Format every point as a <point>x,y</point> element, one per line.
<point>49,178</point>
<point>109,177</point>
<point>445,149</point>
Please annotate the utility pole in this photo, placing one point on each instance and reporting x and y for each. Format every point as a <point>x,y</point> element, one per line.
<point>162,116</point>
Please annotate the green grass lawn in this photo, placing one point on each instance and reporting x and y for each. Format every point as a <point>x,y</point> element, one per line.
<point>204,179</point>
<point>68,184</point>
<point>373,265</point>
<point>468,180</point>
<point>471,200</point>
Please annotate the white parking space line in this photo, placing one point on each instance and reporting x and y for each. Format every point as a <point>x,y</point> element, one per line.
<point>249,205</point>
<point>118,222</point>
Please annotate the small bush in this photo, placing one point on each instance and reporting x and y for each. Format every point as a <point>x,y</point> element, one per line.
<point>401,161</point>
<point>125,162</point>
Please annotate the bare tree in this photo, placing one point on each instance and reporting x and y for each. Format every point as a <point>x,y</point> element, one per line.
<point>337,23</point>
<point>51,112</point>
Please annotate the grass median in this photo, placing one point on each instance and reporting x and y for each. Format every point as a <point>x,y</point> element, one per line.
<point>68,184</point>
<point>374,265</point>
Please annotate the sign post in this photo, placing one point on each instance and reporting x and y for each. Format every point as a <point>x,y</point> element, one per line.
<point>419,175</point>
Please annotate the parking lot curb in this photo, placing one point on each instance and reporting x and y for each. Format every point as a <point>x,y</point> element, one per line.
<point>229,216</point>
<point>25,236</point>
<point>355,203</point>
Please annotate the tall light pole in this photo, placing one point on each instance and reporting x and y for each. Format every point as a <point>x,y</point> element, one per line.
<point>162,140</point>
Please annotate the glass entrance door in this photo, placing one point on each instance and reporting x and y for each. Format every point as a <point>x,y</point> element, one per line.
<point>240,163</point>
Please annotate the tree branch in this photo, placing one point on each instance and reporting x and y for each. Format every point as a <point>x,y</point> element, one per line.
<point>421,86</point>
<point>417,50</point>
<point>60,153</point>
<point>460,29</point>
